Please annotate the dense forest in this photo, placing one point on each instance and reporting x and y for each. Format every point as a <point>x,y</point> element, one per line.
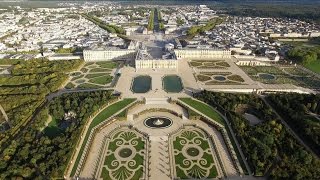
<point>307,12</point>
<point>304,55</point>
<point>268,147</point>
<point>22,92</point>
<point>299,111</point>
<point>37,155</point>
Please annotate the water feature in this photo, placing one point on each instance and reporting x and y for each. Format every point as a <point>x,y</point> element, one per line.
<point>125,152</point>
<point>158,122</point>
<point>172,84</point>
<point>266,76</point>
<point>141,84</point>
<point>219,78</point>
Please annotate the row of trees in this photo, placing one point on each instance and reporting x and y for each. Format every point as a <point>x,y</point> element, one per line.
<point>151,21</point>
<point>297,111</point>
<point>161,23</point>
<point>69,50</point>
<point>268,146</point>
<point>108,27</point>
<point>36,156</point>
<point>211,24</point>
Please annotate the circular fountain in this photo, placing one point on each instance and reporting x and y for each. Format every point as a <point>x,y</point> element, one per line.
<point>158,122</point>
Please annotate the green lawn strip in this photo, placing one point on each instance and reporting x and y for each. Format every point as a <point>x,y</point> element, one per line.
<point>102,80</point>
<point>90,76</point>
<point>77,77</point>
<point>103,115</point>
<point>100,70</point>
<point>314,66</point>
<point>88,64</point>
<point>109,65</point>
<point>205,109</point>
<point>88,86</point>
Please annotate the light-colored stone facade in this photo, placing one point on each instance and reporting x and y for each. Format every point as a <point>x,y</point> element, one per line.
<point>109,54</point>
<point>157,64</point>
<point>202,53</point>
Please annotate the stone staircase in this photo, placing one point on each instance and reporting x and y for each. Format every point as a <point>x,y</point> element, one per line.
<point>157,100</point>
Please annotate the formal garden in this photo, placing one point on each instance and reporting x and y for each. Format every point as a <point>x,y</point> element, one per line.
<point>99,118</point>
<point>94,75</point>
<point>219,78</point>
<point>282,75</point>
<point>124,156</point>
<point>209,64</point>
<point>193,156</point>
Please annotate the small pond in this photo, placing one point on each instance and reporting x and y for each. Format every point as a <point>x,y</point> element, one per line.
<point>219,78</point>
<point>266,76</point>
<point>141,84</point>
<point>172,84</point>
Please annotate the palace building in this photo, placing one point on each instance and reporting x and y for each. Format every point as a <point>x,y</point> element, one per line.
<point>205,53</point>
<point>144,60</point>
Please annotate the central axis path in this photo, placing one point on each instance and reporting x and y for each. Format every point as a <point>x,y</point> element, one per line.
<point>160,164</point>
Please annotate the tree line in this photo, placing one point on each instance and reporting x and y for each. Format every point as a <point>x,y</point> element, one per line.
<point>200,29</point>
<point>108,27</point>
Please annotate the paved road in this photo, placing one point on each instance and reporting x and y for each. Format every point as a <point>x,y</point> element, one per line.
<point>289,128</point>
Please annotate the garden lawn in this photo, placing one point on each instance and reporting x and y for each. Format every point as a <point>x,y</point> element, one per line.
<point>90,76</point>
<point>103,115</point>
<point>88,86</point>
<point>314,66</point>
<point>109,65</point>
<point>102,80</point>
<point>205,109</point>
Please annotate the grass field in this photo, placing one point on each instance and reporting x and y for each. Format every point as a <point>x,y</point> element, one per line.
<point>109,65</point>
<point>314,66</point>
<point>89,76</point>
<point>205,109</point>
<point>102,80</point>
<point>103,115</point>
